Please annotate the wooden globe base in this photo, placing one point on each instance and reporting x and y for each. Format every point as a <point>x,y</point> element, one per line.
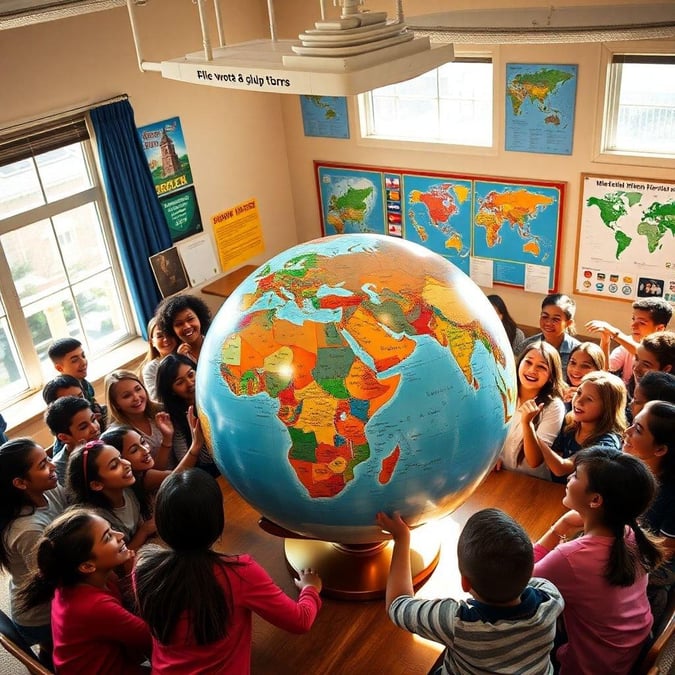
<point>359,572</point>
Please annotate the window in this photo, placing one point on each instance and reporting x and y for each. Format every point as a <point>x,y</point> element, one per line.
<point>449,105</point>
<point>640,105</point>
<point>58,272</point>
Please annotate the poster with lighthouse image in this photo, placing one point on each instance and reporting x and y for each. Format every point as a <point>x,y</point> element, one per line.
<point>166,153</point>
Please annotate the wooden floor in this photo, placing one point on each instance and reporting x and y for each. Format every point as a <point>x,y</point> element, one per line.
<point>356,638</point>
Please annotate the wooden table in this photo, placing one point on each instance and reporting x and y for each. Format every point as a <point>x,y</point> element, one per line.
<point>224,286</point>
<point>356,638</point>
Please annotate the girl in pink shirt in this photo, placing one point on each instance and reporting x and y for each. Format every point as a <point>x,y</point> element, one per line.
<point>92,631</point>
<point>199,603</point>
<point>602,575</point>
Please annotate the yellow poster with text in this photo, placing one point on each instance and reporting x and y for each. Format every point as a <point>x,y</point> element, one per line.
<point>238,234</point>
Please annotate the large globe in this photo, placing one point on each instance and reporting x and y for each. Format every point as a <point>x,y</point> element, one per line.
<point>354,374</point>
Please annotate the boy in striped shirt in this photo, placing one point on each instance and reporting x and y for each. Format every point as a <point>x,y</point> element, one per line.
<point>509,624</point>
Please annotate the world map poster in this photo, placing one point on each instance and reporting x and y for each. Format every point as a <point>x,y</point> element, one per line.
<point>511,222</point>
<point>540,103</point>
<point>626,245</point>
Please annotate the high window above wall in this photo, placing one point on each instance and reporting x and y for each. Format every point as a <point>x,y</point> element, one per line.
<point>59,275</point>
<point>639,107</point>
<point>449,106</point>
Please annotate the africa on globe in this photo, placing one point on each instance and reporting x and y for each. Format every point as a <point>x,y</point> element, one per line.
<point>354,374</point>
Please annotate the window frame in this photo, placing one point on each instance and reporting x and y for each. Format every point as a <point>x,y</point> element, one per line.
<point>491,52</point>
<point>607,101</point>
<point>17,321</point>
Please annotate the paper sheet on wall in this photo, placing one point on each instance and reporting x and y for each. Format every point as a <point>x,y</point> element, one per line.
<point>480,271</point>
<point>536,279</point>
<point>238,233</point>
<point>198,259</point>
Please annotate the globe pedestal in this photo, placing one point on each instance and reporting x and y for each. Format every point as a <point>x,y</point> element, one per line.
<point>357,571</point>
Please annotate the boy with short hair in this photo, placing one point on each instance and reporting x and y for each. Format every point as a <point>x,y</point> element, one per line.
<point>508,626</point>
<point>69,358</point>
<point>655,352</point>
<point>650,315</point>
<point>73,421</point>
<point>58,387</point>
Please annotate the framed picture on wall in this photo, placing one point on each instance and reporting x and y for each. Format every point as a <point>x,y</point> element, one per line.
<point>169,272</point>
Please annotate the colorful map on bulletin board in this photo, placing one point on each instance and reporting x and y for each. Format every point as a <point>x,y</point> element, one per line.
<point>512,222</point>
<point>626,246</point>
<point>540,102</point>
<point>325,116</point>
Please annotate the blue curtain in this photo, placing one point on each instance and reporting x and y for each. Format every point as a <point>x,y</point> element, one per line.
<point>136,214</point>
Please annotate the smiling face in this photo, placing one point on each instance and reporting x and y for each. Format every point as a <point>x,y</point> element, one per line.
<point>162,342</point>
<point>41,474</point>
<point>74,363</point>
<point>130,397</point>
<point>577,492</point>
<point>639,441</point>
<point>184,384</point>
<point>587,405</point>
<point>639,401</point>
<point>108,550</point>
<point>114,473</point>
<point>533,372</point>
<point>187,327</point>
<point>579,364</point>
<point>83,427</point>
<point>645,361</point>
<point>553,322</point>
<point>136,451</point>
<point>642,324</point>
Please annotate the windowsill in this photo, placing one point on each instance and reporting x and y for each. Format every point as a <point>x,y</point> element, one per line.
<point>32,408</point>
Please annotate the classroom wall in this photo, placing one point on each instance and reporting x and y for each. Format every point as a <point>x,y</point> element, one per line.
<point>524,306</point>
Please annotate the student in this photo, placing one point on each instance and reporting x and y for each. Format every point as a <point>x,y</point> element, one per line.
<point>186,318</point>
<point>584,358</point>
<point>651,437</point>
<point>130,404</point>
<point>509,625</point>
<point>557,326</point>
<point>3,429</point>
<point>68,358</point>
<point>655,352</point>
<point>650,315</point>
<point>72,420</point>
<point>98,477</point>
<point>515,335</point>
<point>540,410</point>
<point>602,575</point>
<point>29,500</point>
<point>93,632</point>
<point>159,345</point>
<point>176,392</point>
<point>199,603</point>
<point>654,386</point>
<point>58,387</point>
<point>134,448</point>
<point>597,419</point>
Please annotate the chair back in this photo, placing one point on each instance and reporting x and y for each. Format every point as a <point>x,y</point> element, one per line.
<point>13,643</point>
<point>660,657</point>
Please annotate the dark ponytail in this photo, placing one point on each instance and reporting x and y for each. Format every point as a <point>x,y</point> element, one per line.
<point>65,544</point>
<point>14,463</point>
<point>627,488</point>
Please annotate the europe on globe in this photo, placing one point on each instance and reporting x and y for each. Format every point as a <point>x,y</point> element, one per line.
<point>354,374</point>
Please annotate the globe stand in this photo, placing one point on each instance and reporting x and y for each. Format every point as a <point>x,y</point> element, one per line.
<point>356,571</point>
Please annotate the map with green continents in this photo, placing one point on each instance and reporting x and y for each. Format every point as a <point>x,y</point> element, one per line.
<point>540,108</point>
<point>627,232</point>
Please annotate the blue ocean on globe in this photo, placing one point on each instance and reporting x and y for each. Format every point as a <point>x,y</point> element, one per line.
<point>353,374</point>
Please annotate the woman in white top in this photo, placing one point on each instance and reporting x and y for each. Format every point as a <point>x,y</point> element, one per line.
<point>539,413</point>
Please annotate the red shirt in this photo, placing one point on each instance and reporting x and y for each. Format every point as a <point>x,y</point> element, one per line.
<point>251,590</point>
<point>93,633</point>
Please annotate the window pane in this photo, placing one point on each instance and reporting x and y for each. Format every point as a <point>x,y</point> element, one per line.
<point>12,378</point>
<point>63,172</point>
<point>452,104</point>
<point>645,113</point>
<point>48,319</point>
<point>81,241</point>
<point>19,188</point>
<point>34,260</point>
<point>101,311</point>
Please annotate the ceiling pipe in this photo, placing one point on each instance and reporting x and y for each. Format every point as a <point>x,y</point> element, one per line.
<point>144,66</point>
